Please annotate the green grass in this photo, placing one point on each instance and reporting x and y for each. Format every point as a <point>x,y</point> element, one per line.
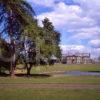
<point>63,67</point>
<point>49,94</point>
<point>66,67</point>
<point>58,78</point>
<point>53,94</point>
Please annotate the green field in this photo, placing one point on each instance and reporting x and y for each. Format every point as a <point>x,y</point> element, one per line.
<point>48,74</point>
<point>66,67</point>
<point>61,68</point>
<point>49,94</point>
<point>51,79</point>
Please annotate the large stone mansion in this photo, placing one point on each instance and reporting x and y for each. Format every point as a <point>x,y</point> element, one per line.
<point>77,58</point>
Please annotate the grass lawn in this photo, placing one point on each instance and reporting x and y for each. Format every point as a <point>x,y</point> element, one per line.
<point>52,94</point>
<point>49,94</point>
<point>66,67</point>
<point>61,67</point>
<point>56,79</point>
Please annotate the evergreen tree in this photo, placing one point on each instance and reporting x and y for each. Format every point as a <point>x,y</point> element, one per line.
<point>52,39</point>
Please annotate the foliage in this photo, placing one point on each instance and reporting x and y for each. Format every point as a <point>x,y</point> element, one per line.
<point>45,38</point>
<point>51,39</point>
<point>15,15</point>
<point>20,29</point>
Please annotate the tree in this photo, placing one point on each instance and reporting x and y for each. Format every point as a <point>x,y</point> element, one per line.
<point>52,39</point>
<point>99,59</point>
<point>15,15</point>
<point>5,54</point>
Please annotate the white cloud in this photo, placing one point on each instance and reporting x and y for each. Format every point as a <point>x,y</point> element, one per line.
<point>68,17</point>
<point>82,21</point>
<point>87,4</point>
<point>95,43</point>
<point>67,48</point>
<point>73,17</point>
<point>91,8</point>
<point>81,49</point>
<point>63,15</point>
<point>87,33</point>
<point>95,52</point>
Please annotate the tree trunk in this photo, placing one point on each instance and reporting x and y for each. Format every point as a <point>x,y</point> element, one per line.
<point>11,69</point>
<point>12,44</point>
<point>29,69</point>
<point>0,70</point>
<point>12,63</point>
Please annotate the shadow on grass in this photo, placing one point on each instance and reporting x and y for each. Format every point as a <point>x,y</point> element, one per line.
<point>4,75</point>
<point>94,71</point>
<point>25,75</point>
<point>34,75</point>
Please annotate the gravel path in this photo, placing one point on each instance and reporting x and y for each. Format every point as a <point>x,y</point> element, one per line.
<point>50,86</point>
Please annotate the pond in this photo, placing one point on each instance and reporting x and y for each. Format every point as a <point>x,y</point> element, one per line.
<point>82,73</point>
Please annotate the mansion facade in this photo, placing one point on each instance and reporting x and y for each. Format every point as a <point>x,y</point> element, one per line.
<point>79,58</point>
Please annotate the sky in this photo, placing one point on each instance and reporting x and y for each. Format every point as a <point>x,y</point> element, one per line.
<point>78,21</point>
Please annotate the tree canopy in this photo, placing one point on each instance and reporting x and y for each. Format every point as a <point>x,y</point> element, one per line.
<point>20,30</point>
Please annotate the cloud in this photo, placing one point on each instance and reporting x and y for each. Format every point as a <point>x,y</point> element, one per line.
<point>95,52</point>
<point>95,43</point>
<point>80,21</point>
<point>69,48</point>
<point>64,16</point>
<point>91,8</point>
<point>69,18</point>
<point>87,33</point>
<point>81,49</point>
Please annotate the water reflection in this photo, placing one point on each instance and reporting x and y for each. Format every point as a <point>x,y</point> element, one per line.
<point>81,73</point>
